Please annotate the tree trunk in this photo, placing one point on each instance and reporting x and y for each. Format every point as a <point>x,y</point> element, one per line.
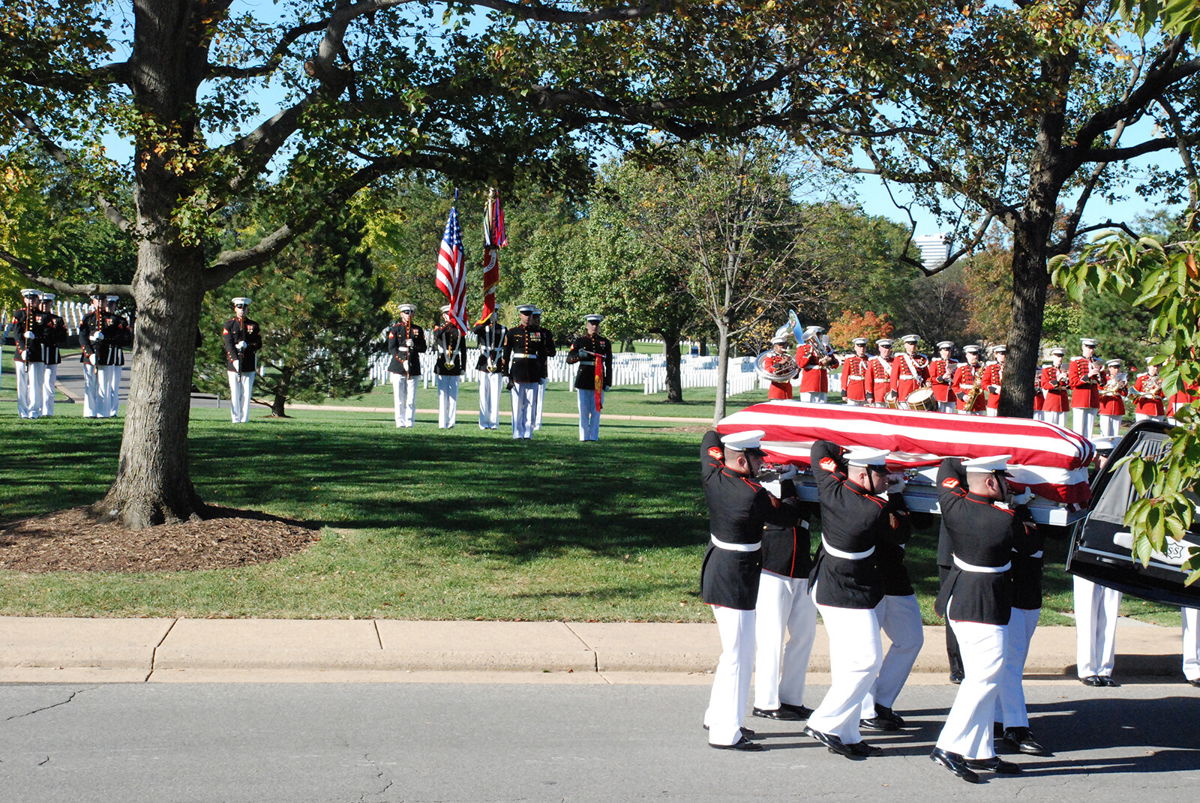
<point>1030,282</point>
<point>674,363</point>
<point>722,372</point>
<point>153,485</point>
<point>704,347</point>
<point>282,386</point>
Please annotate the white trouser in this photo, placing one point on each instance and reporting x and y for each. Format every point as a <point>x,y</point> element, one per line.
<point>855,655</point>
<point>1039,415</point>
<point>1058,418</point>
<point>900,619</point>
<point>91,391</point>
<point>784,608</point>
<point>524,409</point>
<point>50,380</point>
<point>1110,426</point>
<point>947,407</point>
<point>812,397</point>
<point>992,412</point>
<point>1140,417</point>
<point>537,408</point>
<point>731,679</point>
<point>31,377</point>
<point>404,399</point>
<point>1191,651</point>
<point>489,400</point>
<point>854,402</point>
<point>109,389</point>
<point>1010,706</point>
<point>968,728</point>
<point>241,389</point>
<point>1083,419</point>
<point>1096,608</point>
<point>589,416</point>
<point>447,388</point>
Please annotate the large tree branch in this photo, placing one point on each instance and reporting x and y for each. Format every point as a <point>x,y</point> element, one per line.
<point>70,81</point>
<point>25,269</point>
<point>110,209</point>
<point>1132,151</point>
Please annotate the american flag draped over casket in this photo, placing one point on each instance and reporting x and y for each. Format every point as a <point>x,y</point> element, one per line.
<point>1049,460</point>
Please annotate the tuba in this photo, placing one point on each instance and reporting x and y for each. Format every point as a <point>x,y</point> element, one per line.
<point>784,369</point>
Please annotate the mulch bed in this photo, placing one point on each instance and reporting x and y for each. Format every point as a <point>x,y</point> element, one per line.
<point>71,540</point>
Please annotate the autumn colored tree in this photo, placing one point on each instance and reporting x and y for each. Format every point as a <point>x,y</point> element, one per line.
<point>850,325</point>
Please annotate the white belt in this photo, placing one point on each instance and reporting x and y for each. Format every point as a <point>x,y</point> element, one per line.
<point>587,362</point>
<point>970,567</point>
<point>732,547</point>
<point>907,376</point>
<point>521,355</point>
<point>837,553</point>
<point>402,348</point>
<point>854,376</point>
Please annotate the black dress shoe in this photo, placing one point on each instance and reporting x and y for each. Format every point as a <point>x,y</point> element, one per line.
<point>883,712</point>
<point>743,744</point>
<point>834,744</point>
<point>864,749</point>
<point>955,763</point>
<point>1108,681</point>
<point>956,678</point>
<point>1194,682</point>
<point>775,713</point>
<point>800,711</point>
<point>1022,739</point>
<point>997,730</point>
<point>1092,680</point>
<point>878,724</point>
<point>994,764</point>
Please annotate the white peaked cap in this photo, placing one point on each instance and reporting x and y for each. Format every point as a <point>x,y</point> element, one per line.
<point>987,465</point>
<point>1105,444</point>
<point>866,456</point>
<point>775,340</point>
<point>1114,363</point>
<point>1058,351</point>
<point>594,318</point>
<point>860,341</point>
<point>444,308</point>
<point>972,349</point>
<point>911,339</point>
<point>741,441</point>
<point>29,291</point>
<point>406,307</point>
<point>51,297</point>
<point>1087,341</point>
<point>946,344</point>
<point>241,300</point>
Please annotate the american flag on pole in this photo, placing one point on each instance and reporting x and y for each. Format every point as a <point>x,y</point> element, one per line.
<point>495,237</point>
<point>452,270</point>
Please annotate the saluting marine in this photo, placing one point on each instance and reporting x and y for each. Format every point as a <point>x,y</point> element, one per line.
<point>56,335</point>
<point>29,326</point>
<point>103,336</point>
<point>451,361</point>
<point>593,352</point>
<point>523,355</point>
<point>489,335</point>
<point>405,342</point>
<point>241,338</point>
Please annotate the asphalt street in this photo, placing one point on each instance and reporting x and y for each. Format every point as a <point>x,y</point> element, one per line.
<point>547,742</point>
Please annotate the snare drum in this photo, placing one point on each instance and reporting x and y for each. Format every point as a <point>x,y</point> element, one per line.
<point>922,399</point>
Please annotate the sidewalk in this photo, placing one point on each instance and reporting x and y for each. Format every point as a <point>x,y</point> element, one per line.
<point>138,650</point>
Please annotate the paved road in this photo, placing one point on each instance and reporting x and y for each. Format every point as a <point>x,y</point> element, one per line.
<point>542,742</point>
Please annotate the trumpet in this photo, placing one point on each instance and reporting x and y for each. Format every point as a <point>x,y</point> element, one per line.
<point>1115,386</point>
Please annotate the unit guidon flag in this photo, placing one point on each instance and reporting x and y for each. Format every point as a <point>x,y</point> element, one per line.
<point>1049,460</point>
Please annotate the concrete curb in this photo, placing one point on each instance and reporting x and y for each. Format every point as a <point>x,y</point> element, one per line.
<point>126,650</point>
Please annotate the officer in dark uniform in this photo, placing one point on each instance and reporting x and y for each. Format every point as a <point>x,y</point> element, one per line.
<point>586,351</point>
<point>548,351</point>
<point>103,336</point>
<point>29,332</point>
<point>56,335</point>
<point>489,335</point>
<point>405,341</point>
<point>847,586</point>
<point>524,353</point>
<point>738,509</point>
<point>976,600</point>
<point>451,362</point>
<point>242,340</point>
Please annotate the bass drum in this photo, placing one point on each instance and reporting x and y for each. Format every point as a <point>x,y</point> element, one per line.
<point>922,399</point>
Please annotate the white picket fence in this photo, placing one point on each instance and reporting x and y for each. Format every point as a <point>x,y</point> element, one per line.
<point>71,312</point>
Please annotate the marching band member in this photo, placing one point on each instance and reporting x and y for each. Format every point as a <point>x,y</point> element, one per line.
<point>738,509</point>
<point>1083,376</point>
<point>856,373</point>
<point>56,335</point>
<point>1180,399</point>
<point>586,350</point>
<point>1149,389</point>
<point>815,361</point>
<point>880,375</point>
<point>1112,400</point>
<point>941,374</point>
<point>242,339</point>
<point>523,355</point>
<point>406,342</point>
<point>847,586</point>
<point>967,384</point>
<point>910,371</point>
<point>777,390</point>
<point>976,599</point>
<point>783,609</point>
<point>29,326</point>
<point>1039,399</point>
<point>993,379</point>
<point>1054,383</point>
<point>489,335</point>
<point>449,367</point>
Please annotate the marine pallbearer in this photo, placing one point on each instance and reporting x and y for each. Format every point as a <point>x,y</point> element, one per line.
<point>405,342</point>
<point>242,339</point>
<point>593,353</point>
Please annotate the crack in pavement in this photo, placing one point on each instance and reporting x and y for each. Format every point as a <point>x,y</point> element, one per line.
<point>48,707</point>
<point>44,761</point>
<point>380,775</point>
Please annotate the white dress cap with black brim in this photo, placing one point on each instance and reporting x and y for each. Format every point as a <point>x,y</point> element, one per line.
<point>988,465</point>
<point>29,292</point>
<point>1105,444</point>
<point>1057,352</point>
<point>593,318</point>
<point>778,340</point>
<point>525,309</point>
<point>946,344</point>
<point>1000,349</point>
<point>1114,363</point>
<point>884,341</point>
<point>444,308</point>
<point>860,341</point>
<point>240,300</point>
<point>910,339</point>
<point>407,308</point>
<point>1088,341</point>
<point>866,456</point>
<point>750,440</point>
<point>970,349</point>
<point>48,296</point>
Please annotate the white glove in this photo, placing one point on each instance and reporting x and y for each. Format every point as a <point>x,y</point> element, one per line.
<point>896,483</point>
<point>24,354</point>
<point>92,359</point>
<point>773,488</point>
<point>97,337</point>
<point>408,342</point>
<point>1023,497</point>
<point>30,335</point>
<point>241,345</point>
<point>237,366</point>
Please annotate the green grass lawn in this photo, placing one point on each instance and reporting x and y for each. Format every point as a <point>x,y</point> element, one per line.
<point>419,523</point>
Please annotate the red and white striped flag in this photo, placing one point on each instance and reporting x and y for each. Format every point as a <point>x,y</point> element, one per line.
<point>452,271</point>
<point>1049,460</point>
<point>495,237</point>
